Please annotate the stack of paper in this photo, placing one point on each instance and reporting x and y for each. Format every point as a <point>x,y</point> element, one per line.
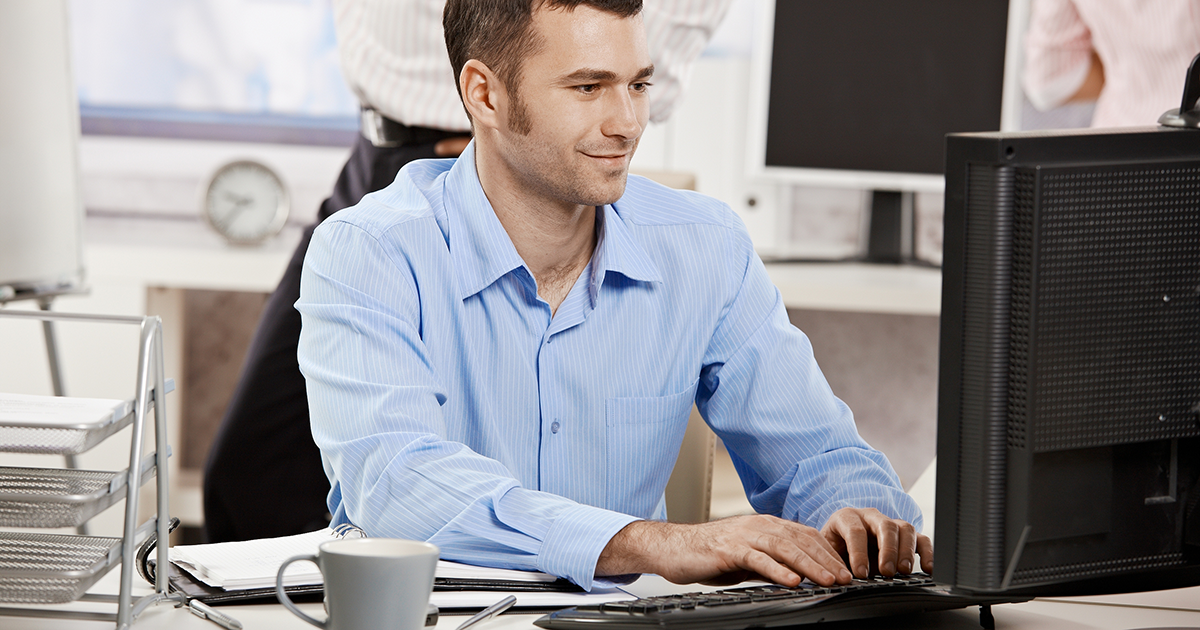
<point>60,412</point>
<point>252,563</point>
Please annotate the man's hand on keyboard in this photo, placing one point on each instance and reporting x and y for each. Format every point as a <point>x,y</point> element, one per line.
<point>851,531</point>
<point>725,551</point>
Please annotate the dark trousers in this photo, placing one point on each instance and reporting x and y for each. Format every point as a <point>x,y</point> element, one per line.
<point>263,477</point>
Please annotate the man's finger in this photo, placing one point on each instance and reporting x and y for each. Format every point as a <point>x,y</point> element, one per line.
<point>925,549</point>
<point>855,538</point>
<point>779,557</point>
<point>906,548</point>
<point>763,564</point>
<point>887,536</point>
<point>808,552</point>
<point>831,560</point>
<point>823,552</point>
<point>821,569</point>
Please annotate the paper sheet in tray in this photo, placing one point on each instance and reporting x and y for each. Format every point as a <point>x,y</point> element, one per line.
<point>56,412</point>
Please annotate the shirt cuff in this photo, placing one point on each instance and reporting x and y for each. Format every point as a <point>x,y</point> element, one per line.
<point>572,547</point>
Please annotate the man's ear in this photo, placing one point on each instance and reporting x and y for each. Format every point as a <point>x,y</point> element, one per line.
<point>483,94</point>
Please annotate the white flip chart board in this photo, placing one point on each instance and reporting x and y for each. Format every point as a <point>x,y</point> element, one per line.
<point>41,209</point>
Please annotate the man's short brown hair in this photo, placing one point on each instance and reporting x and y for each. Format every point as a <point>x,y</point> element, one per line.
<point>499,32</point>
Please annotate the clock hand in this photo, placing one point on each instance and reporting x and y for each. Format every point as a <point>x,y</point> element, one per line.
<point>238,208</point>
<point>236,198</point>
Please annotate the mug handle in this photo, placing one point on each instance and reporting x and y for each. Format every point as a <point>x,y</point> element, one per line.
<point>282,595</point>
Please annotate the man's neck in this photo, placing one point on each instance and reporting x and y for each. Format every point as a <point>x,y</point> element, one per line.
<point>556,241</point>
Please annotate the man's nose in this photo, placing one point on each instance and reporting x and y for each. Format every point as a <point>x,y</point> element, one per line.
<point>626,118</point>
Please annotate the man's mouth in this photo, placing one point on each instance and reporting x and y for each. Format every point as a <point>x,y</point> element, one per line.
<point>608,157</point>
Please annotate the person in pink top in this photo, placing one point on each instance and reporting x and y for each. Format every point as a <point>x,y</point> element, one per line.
<point>1130,56</point>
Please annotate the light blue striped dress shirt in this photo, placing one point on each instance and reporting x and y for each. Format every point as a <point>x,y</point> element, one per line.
<point>450,406</point>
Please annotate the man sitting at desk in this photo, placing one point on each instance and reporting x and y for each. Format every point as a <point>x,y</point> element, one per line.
<point>502,350</point>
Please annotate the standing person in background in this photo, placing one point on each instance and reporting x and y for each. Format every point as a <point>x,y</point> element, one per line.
<point>263,476</point>
<point>1130,56</point>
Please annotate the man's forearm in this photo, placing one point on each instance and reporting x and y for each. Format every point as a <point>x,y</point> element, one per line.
<point>626,552</point>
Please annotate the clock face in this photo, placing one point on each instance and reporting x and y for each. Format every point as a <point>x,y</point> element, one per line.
<point>246,202</point>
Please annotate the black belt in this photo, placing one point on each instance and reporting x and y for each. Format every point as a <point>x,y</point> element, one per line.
<point>382,131</point>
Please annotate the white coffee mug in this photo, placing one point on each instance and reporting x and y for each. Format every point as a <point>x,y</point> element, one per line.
<point>370,583</point>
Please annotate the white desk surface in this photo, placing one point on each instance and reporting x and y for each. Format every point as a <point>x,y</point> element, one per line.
<point>1162,609</point>
<point>859,287</point>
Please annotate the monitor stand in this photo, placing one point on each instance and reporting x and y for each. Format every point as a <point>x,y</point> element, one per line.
<point>891,235</point>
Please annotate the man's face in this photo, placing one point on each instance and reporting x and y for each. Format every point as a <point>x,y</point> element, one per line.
<point>581,107</point>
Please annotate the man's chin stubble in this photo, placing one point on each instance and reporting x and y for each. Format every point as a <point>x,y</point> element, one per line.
<point>598,197</point>
<point>618,178</point>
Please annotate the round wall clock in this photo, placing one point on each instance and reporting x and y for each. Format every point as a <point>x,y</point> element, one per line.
<point>245,202</point>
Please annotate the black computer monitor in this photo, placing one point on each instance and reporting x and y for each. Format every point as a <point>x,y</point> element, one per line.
<point>860,93</point>
<point>873,86</point>
<point>1068,426</point>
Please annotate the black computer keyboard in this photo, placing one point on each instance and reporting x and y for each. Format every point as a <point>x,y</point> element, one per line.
<point>772,605</point>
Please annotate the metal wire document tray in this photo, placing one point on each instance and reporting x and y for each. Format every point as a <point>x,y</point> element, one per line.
<point>51,569</point>
<point>57,497</point>
<point>64,440</point>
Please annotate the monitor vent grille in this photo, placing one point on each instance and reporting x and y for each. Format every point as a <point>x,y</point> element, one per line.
<point>1021,308</point>
<point>1109,249</point>
<point>1039,575</point>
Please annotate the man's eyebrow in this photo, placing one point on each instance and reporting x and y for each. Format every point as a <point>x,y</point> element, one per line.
<point>592,75</point>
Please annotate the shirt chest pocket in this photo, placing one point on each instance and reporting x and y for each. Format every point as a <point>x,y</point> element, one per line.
<point>643,439</point>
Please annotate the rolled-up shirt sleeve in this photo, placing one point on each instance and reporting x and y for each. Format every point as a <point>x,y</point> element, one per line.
<point>676,33</point>
<point>376,413</point>
<point>1058,53</point>
<point>793,442</point>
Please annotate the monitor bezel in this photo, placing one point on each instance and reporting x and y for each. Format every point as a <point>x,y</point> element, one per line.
<point>760,81</point>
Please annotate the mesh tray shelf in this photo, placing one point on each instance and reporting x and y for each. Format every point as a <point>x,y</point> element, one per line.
<point>51,497</point>
<point>56,440</point>
<point>52,568</point>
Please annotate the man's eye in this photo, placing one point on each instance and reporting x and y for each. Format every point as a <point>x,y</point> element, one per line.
<point>641,87</point>
<point>587,89</point>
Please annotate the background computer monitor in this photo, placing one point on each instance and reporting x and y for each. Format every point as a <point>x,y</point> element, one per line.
<point>1069,386</point>
<point>860,93</point>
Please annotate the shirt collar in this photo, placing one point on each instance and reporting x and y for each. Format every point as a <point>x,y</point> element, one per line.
<point>480,246</point>
<point>617,250</point>
<point>484,253</point>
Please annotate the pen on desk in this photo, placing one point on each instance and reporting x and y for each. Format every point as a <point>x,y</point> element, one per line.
<point>489,612</point>
<point>201,609</point>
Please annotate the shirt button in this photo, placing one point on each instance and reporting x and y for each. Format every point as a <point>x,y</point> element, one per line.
<point>554,426</point>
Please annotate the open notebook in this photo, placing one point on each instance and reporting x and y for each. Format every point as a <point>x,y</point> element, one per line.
<point>243,571</point>
<point>254,564</point>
